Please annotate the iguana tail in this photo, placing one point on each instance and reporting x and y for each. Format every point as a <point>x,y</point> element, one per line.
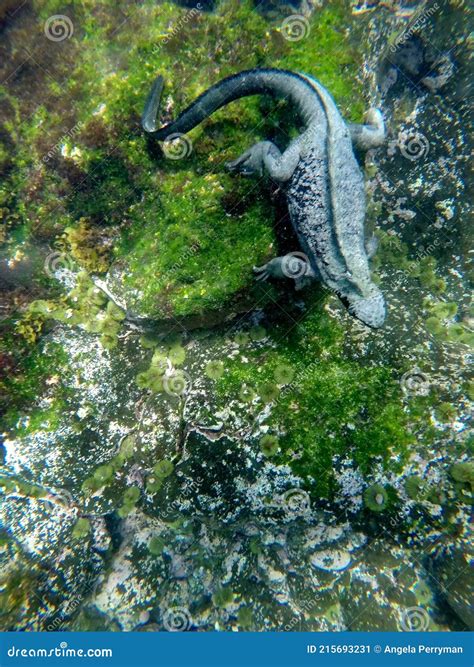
<point>249,82</point>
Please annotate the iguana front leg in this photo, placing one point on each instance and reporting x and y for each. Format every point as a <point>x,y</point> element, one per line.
<point>370,135</point>
<point>266,157</point>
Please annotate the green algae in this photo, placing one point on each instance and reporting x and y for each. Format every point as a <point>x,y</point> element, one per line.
<point>214,369</point>
<point>156,546</point>
<point>81,529</point>
<point>32,370</point>
<point>330,406</point>
<point>163,469</point>
<point>13,484</point>
<point>131,495</point>
<point>463,472</point>
<point>333,388</point>
<point>180,223</point>
<point>245,618</point>
<point>269,445</point>
<point>223,597</point>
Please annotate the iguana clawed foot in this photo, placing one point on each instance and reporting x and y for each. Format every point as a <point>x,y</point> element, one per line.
<point>250,162</point>
<point>294,265</point>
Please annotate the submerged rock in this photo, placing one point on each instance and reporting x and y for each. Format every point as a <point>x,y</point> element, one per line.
<point>453,574</point>
<point>155,473</point>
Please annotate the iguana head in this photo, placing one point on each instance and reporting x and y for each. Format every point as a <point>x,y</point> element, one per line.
<point>369,310</point>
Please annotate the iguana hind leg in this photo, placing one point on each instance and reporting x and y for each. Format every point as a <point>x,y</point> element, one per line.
<point>295,265</point>
<point>265,157</point>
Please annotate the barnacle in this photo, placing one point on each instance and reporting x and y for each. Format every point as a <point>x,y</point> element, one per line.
<point>214,369</point>
<point>284,374</point>
<point>376,498</point>
<point>269,445</point>
<point>163,468</point>
<point>156,545</point>
<point>269,392</point>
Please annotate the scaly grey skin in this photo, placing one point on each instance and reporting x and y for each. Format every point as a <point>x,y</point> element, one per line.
<point>319,172</point>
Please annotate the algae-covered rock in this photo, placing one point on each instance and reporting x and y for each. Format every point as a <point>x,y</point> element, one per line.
<point>454,573</point>
<point>173,430</point>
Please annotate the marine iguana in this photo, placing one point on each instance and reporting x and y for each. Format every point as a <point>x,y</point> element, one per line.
<point>318,170</point>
